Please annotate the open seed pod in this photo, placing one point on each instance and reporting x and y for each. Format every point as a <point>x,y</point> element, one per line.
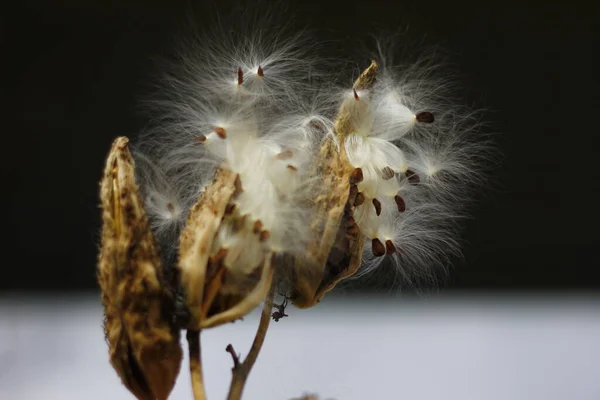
<point>143,341</point>
<point>222,280</point>
<point>336,250</point>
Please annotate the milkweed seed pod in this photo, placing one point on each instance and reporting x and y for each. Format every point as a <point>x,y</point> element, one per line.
<point>143,341</point>
<point>299,184</point>
<point>240,124</point>
<point>397,174</point>
<point>222,281</point>
<point>337,243</point>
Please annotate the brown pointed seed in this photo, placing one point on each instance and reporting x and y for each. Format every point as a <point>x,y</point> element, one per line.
<point>377,205</point>
<point>201,139</point>
<point>260,72</point>
<point>412,176</point>
<point>220,131</point>
<point>219,257</point>
<point>425,117</point>
<point>348,210</point>
<point>240,76</point>
<point>285,155</point>
<point>387,173</point>
<point>353,229</point>
<point>377,247</point>
<point>355,94</point>
<point>264,235</point>
<point>170,207</point>
<point>359,199</point>
<point>389,247</point>
<point>357,176</point>
<point>257,226</point>
<point>239,223</point>
<point>292,168</point>
<point>400,203</point>
<point>230,209</point>
<point>238,186</point>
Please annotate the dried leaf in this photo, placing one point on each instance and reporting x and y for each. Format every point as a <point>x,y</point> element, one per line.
<point>143,341</point>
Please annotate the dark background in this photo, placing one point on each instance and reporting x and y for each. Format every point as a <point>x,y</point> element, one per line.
<point>73,73</point>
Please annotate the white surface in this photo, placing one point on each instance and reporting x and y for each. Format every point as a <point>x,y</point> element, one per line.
<point>356,348</point>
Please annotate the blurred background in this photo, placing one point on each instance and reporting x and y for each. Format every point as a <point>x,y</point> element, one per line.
<point>517,319</point>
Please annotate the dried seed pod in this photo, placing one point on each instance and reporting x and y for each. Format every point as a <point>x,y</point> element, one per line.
<point>216,289</point>
<point>138,304</point>
<point>336,251</point>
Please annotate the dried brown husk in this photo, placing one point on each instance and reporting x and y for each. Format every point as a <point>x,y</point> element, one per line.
<point>138,304</point>
<point>215,292</point>
<point>336,251</point>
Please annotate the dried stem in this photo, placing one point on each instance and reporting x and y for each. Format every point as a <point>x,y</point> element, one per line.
<point>193,338</point>
<point>242,370</point>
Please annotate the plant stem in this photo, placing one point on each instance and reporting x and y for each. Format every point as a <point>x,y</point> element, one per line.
<point>193,338</point>
<point>242,370</point>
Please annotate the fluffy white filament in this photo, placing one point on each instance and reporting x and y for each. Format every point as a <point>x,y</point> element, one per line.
<point>249,103</point>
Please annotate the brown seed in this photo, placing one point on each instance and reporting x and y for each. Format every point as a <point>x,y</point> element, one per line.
<point>170,207</point>
<point>349,222</point>
<point>387,173</point>
<point>240,75</point>
<point>389,247</point>
<point>201,139</point>
<point>400,203</point>
<point>355,94</point>
<point>359,199</point>
<point>357,176</point>
<point>238,186</point>
<point>377,205</point>
<point>412,176</point>
<point>218,258</point>
<point>353,230</point>
<point>377,247</point>
<point>239,223</point>
<point>229,209</point>
<point>264,235</point>
<point>285,155</point>
<point>291,167</point>
<point>425,117</point>
<point>221,132</point>
<point>260,72</point>
<point>257,226</point>
<point>348,210</point>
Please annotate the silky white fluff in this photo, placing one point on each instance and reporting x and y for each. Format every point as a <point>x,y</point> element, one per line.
<point>246,103</point>
<point>254,102</point>
<point>421,156</point>
<point>164,202</point>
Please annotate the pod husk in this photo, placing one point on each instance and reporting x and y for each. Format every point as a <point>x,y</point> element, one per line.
<point>138,304</point>
<point>214,293</point>
<point>336,251</point>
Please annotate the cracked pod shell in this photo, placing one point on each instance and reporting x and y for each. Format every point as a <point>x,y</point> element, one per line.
<point>138,304</point>
<point>216,290</point>
<point>336,251</point>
